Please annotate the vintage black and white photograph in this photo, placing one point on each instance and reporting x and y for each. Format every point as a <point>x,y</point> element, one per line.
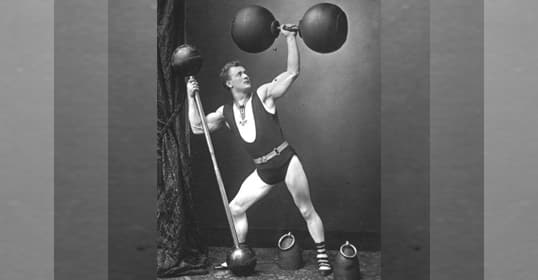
<point>269,139</point>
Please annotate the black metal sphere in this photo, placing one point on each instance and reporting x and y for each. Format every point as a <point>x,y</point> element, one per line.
<point>254,29</point>
<point>241,261</point>
<point>324,27</point>
<point>186,59</point>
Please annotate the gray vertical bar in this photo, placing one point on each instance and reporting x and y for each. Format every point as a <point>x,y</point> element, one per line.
<point>26,140</point>
<point>405,139</point>
<point>132,139</point>
<point>511,134</point>
<point>457,140</point>
<point>80,134</point>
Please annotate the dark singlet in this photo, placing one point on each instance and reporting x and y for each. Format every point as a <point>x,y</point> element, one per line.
<point>268,136</point>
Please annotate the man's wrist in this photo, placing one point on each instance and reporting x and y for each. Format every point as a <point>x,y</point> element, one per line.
<point>291,39</point>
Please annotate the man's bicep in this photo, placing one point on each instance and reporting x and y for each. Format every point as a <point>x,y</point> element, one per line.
<point>215,120</point>
<point>279,80</point>
<point>281,84</point>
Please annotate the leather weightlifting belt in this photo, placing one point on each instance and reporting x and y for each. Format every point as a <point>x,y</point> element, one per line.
<point>275,152</point>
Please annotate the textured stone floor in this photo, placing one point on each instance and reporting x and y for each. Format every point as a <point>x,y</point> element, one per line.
<point>268,269</point>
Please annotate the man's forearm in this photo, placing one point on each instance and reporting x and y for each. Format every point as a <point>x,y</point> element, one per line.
<point>194,116</point>
<point>293,55</point>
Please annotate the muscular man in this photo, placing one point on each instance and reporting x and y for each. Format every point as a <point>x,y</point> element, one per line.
<point>253,119</point>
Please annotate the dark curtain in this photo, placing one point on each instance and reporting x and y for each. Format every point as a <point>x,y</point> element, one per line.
<point>179,249</point>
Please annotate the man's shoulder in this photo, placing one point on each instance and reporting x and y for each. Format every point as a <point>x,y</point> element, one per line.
<point>263,87</point>
<point>263,91</point>
<point>225,110</point>
<point>222,108</point>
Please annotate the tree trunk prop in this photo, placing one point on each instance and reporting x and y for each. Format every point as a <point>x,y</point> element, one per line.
<point>179,248</point>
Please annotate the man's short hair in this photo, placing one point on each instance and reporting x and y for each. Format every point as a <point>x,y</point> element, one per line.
<point>224,72</point>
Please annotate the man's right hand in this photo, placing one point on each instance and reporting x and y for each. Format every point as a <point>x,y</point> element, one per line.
<point>192,86</point>
<point>286,30</point>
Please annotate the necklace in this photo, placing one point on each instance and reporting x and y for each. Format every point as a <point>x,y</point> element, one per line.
<point>243,120</point>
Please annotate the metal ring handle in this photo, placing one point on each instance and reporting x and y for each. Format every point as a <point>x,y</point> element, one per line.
<point>282,239</point>
<point>347,244</point>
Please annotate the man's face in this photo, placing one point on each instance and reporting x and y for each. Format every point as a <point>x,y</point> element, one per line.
<point>239,79</point>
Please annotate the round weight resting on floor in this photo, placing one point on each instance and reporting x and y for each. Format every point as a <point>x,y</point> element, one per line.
<point>324,27</point>
<point>254,29</point>
<point>241,260</point>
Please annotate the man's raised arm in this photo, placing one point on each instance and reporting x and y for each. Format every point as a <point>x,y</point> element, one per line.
<point>280,85</point>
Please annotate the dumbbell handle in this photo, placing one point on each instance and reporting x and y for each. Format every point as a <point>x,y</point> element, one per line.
<point>293,28</point>
<point>275,27</point>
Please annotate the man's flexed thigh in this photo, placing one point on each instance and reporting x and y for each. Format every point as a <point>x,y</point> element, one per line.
<point>251,190</point>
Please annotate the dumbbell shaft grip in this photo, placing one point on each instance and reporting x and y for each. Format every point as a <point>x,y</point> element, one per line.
<point>293,28</point>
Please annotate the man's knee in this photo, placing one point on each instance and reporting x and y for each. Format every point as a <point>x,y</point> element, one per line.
<point>307,211</point>
<point>236,208</point>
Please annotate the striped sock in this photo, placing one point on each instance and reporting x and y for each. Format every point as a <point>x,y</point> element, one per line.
<point>324,267</point>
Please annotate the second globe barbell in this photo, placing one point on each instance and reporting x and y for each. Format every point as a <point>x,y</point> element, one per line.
<point>323,28</point>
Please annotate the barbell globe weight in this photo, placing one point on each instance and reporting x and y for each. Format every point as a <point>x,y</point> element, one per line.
<point>186,60</point>
<point>323,28</point>
<point>241,260</point>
